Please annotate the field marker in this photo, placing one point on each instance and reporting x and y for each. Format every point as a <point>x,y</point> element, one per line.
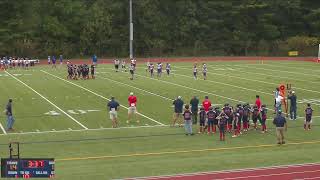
<point>3,130</point>
<point>82,130</point>
<point>185,151</point>
<point>47,100</point>
<point>99,96</point>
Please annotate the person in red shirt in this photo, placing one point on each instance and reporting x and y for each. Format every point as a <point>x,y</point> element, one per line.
<point>258,102</point>
<point>206,103</point>
<point>132,110</point>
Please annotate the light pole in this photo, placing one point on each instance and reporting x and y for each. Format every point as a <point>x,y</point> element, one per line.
<point>131,31</point>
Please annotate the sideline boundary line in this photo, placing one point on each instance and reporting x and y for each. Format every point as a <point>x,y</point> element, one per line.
<point>184,151</point>
<point>47,100</point>
<point>98,95</point>
<point>227,171</point>
<point>82,130</point>
<point>2,128</point>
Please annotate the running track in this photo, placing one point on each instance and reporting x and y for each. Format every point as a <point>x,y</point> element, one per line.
<point>299,171</point>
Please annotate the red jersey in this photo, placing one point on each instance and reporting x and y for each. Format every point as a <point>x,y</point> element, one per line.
<point>132,100</point>
<point>258,103</point>
<point>206,104</point>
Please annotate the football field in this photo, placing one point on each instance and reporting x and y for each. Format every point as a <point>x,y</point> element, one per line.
<point>68,119</point>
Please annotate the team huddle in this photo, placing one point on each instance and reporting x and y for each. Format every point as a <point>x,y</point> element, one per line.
<point>80,71</point>
<point>236,120</point>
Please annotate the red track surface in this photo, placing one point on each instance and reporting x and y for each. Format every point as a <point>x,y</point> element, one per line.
<point>304,171</point>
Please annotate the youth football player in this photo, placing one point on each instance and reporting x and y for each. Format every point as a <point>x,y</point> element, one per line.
<point>195,71</point>
<point>168,68</point>
<point>308,112</point>
<point>54,61</point>
<point>123,66</point>
<point>222,123</point>
<point>159,69</point>
<point>228,111</point>
<point>92,71</point>
<point>204,71</point>
<point>116,64</point>
<point>245,117</point>
<point>255,116</point>
<point>131,69</point>
<point>263,118</point>
<point>235,125</point>
<point>202,118</point>
<point>151,70</point>
<point>211,115</point>
<point>187,120</point>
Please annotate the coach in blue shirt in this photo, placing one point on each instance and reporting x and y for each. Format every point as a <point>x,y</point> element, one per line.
<point>113,106</point>
<point>281,126</point>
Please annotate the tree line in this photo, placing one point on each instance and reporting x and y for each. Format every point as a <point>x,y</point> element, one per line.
<point>80,28</point>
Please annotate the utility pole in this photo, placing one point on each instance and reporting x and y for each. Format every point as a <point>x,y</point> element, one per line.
<point>131,31</point>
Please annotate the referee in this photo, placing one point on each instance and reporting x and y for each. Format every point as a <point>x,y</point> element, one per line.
<point>281,126</point>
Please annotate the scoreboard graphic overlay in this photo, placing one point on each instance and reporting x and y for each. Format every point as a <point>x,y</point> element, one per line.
<point>27,168</point>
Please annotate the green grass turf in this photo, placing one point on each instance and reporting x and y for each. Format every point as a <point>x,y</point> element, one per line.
<point>121,153</point>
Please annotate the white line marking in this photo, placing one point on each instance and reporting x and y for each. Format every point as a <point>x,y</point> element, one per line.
<point>99,95</point>
<point>227,171</point>
<point>305,69</point>
<point>137,88</point>
<point>269,75</point>
<point>255,80</point>
<point>70,129</point>
<point>239,87</point>
<point>4,131</point>
<point>47,100</point>
<point>311,178</point>
<point>179,85</point>
<point>280,71</point>
<point>81,130</point>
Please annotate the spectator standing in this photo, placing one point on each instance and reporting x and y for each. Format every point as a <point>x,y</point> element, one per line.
<point>194,102</point>
<point>113,106</point>
<point>178,107</point>
<point>293,105</point>
<point>281,126</point>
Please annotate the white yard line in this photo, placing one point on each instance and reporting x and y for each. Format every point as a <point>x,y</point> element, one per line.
<point>72,118</point>
<point>82,130</point>
<point>255,80</point>
<point>155,94</point>
<point>4,131</point>
<point>280,71</point>
<point>99,95</point>
<point>239,87</point>
<point>299,68</point>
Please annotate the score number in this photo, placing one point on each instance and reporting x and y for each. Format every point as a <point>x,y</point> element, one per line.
<point>34,164</point>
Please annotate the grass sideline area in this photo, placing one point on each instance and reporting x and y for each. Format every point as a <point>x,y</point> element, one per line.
<point>52,113</point>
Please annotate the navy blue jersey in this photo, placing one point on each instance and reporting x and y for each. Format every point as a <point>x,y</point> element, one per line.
<point>187,115</point>
<point>309,111</point>
<point>211,115</point>
<point>264,113</point>
<point>202,115</point>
